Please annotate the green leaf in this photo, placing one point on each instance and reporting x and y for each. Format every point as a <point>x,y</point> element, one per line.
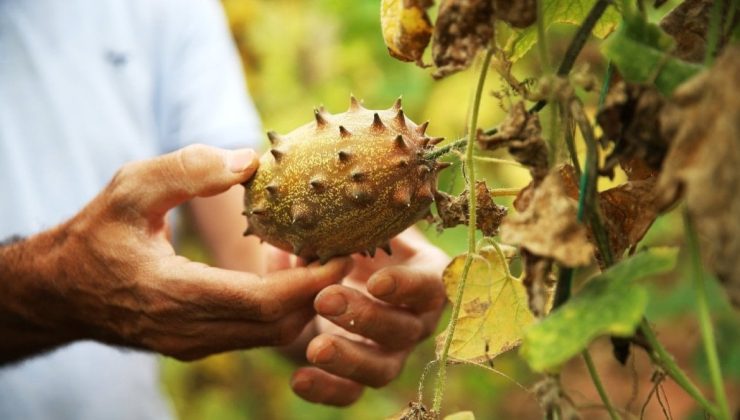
<point>611,303</point>
<point>640,50</point>
<point>560,11</point>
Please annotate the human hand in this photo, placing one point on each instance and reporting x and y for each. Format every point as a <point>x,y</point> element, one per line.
<point>110,273</point>
<point>373,321</point>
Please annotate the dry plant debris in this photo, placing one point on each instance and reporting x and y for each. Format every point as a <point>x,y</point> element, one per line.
<point>703,123</point>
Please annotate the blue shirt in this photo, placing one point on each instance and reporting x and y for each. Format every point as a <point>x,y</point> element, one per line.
<point>85,86</point>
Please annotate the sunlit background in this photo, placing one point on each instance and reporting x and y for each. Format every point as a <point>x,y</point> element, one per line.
<point>301,54</point>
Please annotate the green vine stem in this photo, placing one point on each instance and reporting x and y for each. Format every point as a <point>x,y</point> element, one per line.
<point>658,353</point>
<point>599,386</point>
<point>470,164</point>
<point>662,358</point>
<point>714,32</point>
<point>566,65</point>
<point>705,322</point>
<point>577,43</point>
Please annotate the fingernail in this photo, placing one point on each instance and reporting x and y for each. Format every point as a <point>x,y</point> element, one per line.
<point>325,354</point>
<point>382,286</point>
<point>301,384</point>
<point>239,160</point>
<point>332,304</point>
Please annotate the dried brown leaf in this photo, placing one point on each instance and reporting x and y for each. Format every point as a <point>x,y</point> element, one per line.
<point>454,210</point>
<point>629,118</point>
<point>463,28</point>
<point>522,134</point>
<point>406,28</point>
<point>628,211</point>
<point>517,13</point>
<point>703,123</point>
<point>553,399</point>
<point>548,226</point>
<point>538,281</point>
<point>688,24</point>
<point>415,411</point>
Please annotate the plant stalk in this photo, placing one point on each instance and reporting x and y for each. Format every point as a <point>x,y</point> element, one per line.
<point>470,164</point>
<point>576,45</point>
<point>705,322</point>
<point>599,386</point>
<point>714,32</point>
<point>662,358</point>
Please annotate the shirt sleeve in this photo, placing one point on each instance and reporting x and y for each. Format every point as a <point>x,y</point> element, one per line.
<point>201,94</point>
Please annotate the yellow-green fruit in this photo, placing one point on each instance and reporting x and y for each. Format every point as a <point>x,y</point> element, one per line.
<point>343,183</point>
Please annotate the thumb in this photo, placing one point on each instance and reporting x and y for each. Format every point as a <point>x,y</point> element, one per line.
<point>162,183</point>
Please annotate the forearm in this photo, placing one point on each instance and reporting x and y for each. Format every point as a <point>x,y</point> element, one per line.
<point>29,307</point>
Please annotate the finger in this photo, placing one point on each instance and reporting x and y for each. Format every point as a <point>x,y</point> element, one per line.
<point>295,287</point>
<point>190,341</point>
<point>421,291</point>
<point>224,294</point>
<point>391,327</point>
<point>355,361</point>
<point>318,386</point>
<point>154,186</point>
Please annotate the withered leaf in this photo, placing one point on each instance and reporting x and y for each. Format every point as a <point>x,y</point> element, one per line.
<point>688,24</point>
<point>517,13</point>
<point>454,210</point>
<point>548,227</point>
<point>628,211</point>
<point>629,118</point>
<point>539,282</point>
<point>553,399</point>
<point>522,134</point>
<point>415,411</point>
<point>463,28</point>
<point>703,121</point>
<point>406,28</point>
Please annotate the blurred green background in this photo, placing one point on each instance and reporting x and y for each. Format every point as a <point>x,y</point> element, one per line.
<point>301,54</point>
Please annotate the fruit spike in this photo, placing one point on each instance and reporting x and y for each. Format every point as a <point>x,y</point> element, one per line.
<point>354,104</point>
<point>400,142</point>
<point>386,247</point>
<point>400,118</point>
<point>277,154</point>
<point>343,183</point>
<point>435,141</point>
<point>397,104</point>
<point>273,137</point>
<point>421,129</point>
<point>320,120</point>
<point>377,124</point>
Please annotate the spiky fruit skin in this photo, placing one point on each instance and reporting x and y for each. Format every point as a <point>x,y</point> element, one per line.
<point>343,183</point>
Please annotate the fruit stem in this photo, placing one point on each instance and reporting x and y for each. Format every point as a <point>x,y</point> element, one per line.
<point>470,166</point>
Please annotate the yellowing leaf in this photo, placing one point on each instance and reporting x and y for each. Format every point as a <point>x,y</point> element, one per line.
<point>493,311</point>
<point>406,28</point>
<point>560,11</point>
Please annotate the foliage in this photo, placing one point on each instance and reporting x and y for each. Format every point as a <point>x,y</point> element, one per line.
<point>610,303</point>
<point>300,54</point>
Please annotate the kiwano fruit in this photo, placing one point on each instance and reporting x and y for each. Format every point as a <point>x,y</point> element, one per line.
<point>343,183</point>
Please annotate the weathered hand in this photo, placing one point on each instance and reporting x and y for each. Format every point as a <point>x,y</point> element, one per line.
<point>373,321</point>
<point>110,274</point>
